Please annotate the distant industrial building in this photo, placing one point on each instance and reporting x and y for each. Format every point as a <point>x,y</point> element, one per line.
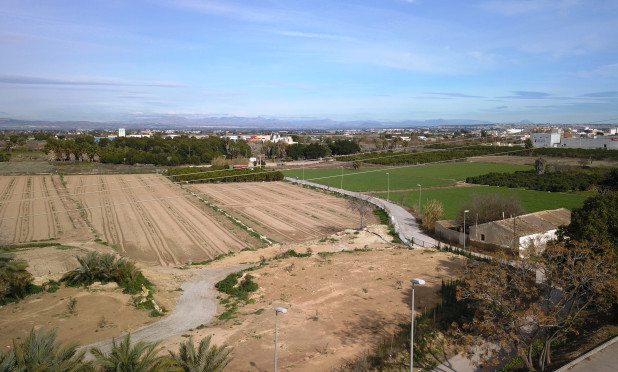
<point>555,138</point>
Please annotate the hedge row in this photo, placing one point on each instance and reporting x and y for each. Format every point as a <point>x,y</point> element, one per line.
<point>575,179</point>
<point>202,175</point>
<point>390,158</point>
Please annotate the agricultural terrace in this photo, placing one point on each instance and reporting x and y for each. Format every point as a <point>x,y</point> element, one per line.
<point>280,211</point>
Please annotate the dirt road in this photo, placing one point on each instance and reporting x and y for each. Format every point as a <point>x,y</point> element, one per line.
<point>197,305</point>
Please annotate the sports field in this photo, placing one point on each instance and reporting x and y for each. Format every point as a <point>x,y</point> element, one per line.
<point>400,178</point>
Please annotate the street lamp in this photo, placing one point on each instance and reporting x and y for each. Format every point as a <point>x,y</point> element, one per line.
<point>420,190</point>
<point>421,282</point>
<point>464,229</point>
<point>278,310</point>
<point>388,186</point>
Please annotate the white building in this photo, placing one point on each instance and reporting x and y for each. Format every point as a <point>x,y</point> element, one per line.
<point>121,132</point>
<point>551,139</point>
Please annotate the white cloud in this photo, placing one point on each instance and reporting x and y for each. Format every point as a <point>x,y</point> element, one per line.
<point>601,71</point>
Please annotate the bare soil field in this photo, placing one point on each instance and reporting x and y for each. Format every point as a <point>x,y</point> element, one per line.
<point>36,208</point>
<point>282,211</point>
<point>152,220</point>
<point>339,305</point>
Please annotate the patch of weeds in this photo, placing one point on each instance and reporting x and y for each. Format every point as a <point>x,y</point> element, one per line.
<point>51,286</point>
<point>258,311</point>
<point>72,306</point>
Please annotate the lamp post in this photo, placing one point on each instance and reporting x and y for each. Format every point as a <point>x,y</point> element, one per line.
<point>464,230</point>
<point>420,190</point>
<point>278,310</point>
<point>388,186</point>
<point>341,186</point>
<point>421,282</point>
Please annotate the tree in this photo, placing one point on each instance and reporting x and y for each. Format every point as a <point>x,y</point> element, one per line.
<point>206,358</point>
<point>357,164</point>
<point>539,165</point>
<point>362,206</point>
<point>39,351</point>
<point>491,207</point>
<point>595,221</point>
<point>14,277</point>
<point>513,312</point>
<point>141,357</point>
<point>432,212</point>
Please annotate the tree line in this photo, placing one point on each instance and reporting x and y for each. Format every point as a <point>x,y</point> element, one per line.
<point>559,180</point>
<point>221,175</point>
<point>593,154</point>
<point>428,156</point>
<point>152,150</point>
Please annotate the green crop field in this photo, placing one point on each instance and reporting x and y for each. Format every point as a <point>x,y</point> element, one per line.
<point>400,178</point>
<point>454,198</point>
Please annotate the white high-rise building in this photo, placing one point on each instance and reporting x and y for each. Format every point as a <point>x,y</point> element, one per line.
<point>121,132</point>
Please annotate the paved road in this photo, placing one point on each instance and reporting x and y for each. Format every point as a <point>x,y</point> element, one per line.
<point>404,223</point>
<point>196,305</point>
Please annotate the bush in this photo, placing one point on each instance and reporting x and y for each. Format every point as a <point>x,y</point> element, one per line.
<point>106,268</point>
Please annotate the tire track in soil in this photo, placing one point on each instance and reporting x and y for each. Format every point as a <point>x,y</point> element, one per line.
<point>4,207</point>
<point>185,217</point>
<point>47,214</point>
<point>155,237</point>
<point>191,231</point>
<point>80,227</point>
<point>25,211</point>
<point>109,219</point>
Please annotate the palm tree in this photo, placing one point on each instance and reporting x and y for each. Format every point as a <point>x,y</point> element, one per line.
<point>14,278</point>
<point>40,352</point>
<point>141,357</point>
<point>206,358</point>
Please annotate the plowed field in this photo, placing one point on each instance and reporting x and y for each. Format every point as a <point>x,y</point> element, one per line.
<point>36,208</point>
<point>150,219</point>
<point>281,211</point>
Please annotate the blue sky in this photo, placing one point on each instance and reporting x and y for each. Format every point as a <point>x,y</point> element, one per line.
<point>548,61</point>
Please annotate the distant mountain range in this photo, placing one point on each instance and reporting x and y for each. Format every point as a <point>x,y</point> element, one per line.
<point>233,123</point>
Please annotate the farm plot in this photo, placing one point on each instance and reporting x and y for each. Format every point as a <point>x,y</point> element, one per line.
<point>148,218</point>
<point>35,208</point>
<point>281,211</point>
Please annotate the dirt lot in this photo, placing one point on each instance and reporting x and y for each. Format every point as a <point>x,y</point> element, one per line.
<point>282,211</point>
<point>339,305</point>
<point>101,312</point>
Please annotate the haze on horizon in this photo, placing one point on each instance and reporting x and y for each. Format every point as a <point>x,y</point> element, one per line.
<point>497,60</point>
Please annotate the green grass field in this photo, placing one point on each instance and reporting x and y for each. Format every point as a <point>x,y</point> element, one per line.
<point>454,198</point>
<point>400,178</point>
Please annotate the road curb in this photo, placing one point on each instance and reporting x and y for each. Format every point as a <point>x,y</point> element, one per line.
<point>587,355</point>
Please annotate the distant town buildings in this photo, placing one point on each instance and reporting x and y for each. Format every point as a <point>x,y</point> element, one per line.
<point>587,139</point>
<point>275,137</point>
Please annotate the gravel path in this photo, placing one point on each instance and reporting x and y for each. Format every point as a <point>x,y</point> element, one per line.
<point>196,305</point>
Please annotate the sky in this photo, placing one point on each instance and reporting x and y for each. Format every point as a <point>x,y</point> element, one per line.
<point>546,61</point>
